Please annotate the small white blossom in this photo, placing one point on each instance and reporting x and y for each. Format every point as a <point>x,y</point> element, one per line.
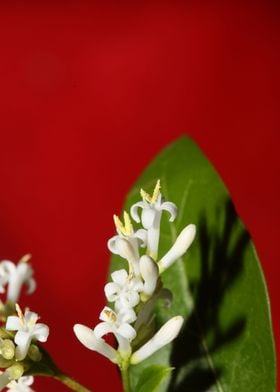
<point>124,290</point>
<point>27,330</point>
<point>15,276</point>
<point>152,207</point>
<point>21,385</point>
<point>168,332</point>
<point>181,245</point>
<point>119,325</point>
<point>116,323</point>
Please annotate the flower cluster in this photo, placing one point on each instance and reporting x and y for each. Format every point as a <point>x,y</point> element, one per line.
<point>132,291</point>
<point>19,332</point>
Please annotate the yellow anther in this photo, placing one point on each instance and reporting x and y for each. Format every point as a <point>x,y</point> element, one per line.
<point>126,228</point>
<point>20,314</point>
<point>25,258</point>
<point>111,315</point>
<point>145,195</point>
<point>156,192</point>
<point>151,199</point>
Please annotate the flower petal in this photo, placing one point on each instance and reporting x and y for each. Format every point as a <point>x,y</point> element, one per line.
<point>128,300</point>
<point>126,316</point>
<point>27,380</point>
<point>171,208</point>
<point>23,340</point>
<point>120,277</point>
<point>141,235</point>
<point>31,285</point>
<point>127,331</point>
<point>148,216</point>
<point>13,323</point>
<point>134,210</point>
<point>41,332</point>
<point>103,328</point>
<point>112,291</point>
<point>125,249</point>
<point>111,243</point>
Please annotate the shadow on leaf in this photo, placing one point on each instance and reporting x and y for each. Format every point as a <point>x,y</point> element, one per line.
<point>221,263</point>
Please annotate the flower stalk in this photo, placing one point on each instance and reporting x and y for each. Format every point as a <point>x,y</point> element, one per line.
<point>71,383</point>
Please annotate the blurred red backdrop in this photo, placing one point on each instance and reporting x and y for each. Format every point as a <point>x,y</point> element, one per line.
<point>89,94</point>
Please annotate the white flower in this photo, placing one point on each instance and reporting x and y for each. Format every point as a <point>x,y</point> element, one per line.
<point>15,275</point>
<point>152,207</point>
<point>127,242</point>
<point>87,337</point>
<point>27,330</point>
<point>21,385</point>
<point>124,290</point>
<point>119,325</point>
<point>149,273</point>
<point>168,332</point>
<point>181,245</point>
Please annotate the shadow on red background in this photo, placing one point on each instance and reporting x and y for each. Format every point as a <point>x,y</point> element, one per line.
<point>89,95</point>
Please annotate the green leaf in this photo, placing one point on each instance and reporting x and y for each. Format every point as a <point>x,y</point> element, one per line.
<point>218,286</point>
<point>151,378</point>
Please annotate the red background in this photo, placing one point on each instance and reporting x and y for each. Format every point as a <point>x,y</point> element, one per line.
<point>89,94</point>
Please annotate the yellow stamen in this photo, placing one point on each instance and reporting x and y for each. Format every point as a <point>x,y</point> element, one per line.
<point>20,314</point>
<point>25,258</point>
<point>111,315</point>
<point>126,228</point>
<point>156,192</point>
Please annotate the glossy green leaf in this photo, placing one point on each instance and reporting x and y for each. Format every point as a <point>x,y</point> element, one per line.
<point>226,344</point>
<point>151,378</point>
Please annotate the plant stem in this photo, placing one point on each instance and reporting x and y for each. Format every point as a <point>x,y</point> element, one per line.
<point>71,383</point>
<point>125,378</point>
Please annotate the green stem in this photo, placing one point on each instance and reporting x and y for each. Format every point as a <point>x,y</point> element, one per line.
<point>71,383</point>
<point>125,377</point>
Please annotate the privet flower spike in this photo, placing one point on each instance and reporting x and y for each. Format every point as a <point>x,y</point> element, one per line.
<point>133,293</point>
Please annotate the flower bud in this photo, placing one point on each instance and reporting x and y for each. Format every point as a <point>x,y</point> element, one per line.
<point>165,335</point>
<point>149,272</point>
<point>181,245</point>
<point>7,348</point>
<point>34,353</point>
<point>15,371</point>
<point>87,337</point>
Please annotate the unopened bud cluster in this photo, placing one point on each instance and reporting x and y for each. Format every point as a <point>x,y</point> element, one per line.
<point>133,290</point>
